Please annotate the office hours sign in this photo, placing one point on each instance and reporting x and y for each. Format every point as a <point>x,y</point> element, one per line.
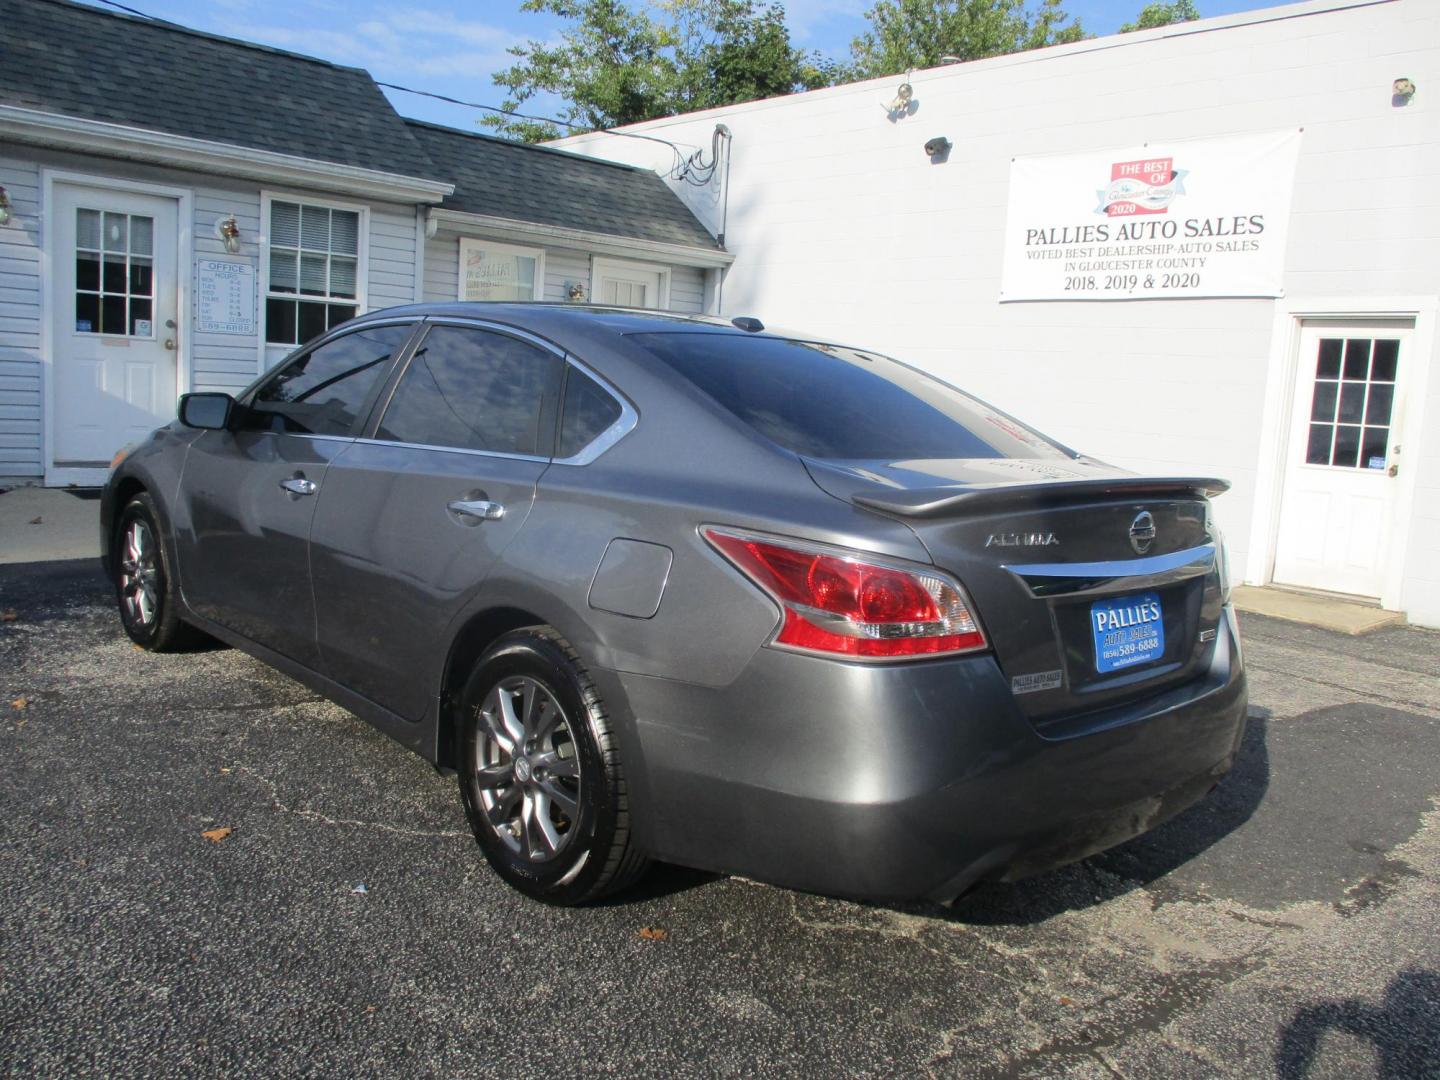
<point>1186,219</point>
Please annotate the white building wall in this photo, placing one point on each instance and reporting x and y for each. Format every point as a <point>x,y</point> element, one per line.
<point>563,266</point>
<point>841,224</point>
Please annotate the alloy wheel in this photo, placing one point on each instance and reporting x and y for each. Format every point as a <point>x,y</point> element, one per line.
<point>140,575</point>
<point>526,769</point>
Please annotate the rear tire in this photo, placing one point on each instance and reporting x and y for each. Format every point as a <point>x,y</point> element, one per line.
<point>145,582</point>
<point>540,773</point>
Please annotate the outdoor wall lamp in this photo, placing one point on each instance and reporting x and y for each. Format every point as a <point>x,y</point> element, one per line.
<point>228,230</point>
<point>575,290</point>
<point>4,207</point>
<point>1401,91</point>
<point>938,149</point>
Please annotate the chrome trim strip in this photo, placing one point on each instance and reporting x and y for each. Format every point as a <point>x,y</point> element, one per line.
<point>1082,579</point>
<point>451,449</point>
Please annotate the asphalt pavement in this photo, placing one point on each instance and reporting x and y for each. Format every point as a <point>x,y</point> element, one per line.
<point>346,924</point>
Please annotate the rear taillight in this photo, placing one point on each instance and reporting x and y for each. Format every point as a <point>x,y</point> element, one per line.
<point>845,604</point>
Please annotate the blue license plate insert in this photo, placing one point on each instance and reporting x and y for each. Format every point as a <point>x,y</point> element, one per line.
<point>1128,631</point>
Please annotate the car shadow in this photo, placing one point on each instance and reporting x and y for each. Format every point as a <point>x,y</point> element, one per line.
<point>1136,863</point>
<point>1401,1027</point>
<point>660,881</point>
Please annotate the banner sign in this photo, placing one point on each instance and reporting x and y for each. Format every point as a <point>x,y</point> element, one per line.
<point>1184,219</point>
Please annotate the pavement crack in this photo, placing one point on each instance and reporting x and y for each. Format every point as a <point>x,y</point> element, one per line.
<point>354,823</point>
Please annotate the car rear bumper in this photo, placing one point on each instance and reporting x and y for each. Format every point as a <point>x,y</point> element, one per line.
<point>914,780</point>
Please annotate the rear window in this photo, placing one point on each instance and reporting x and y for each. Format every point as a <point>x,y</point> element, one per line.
<point>827,401</point>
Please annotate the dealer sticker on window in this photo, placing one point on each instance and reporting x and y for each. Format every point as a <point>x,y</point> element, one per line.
<point>1128,631</point>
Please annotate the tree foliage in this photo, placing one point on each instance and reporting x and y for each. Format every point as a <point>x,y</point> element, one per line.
<point>906,34</point>
<point>1162,14</point>
<point>617,64</point>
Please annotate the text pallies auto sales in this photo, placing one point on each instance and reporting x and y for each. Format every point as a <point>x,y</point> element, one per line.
<point>1169,229</point>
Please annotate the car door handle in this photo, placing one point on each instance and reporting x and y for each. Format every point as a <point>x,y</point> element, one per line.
<point>479,509</point>
<point>298,485</point>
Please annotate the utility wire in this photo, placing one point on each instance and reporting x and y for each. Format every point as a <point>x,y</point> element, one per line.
<point>690,168</point>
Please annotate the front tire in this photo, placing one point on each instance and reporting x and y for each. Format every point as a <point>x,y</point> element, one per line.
<point>540,773</point>
<point>145,582</point>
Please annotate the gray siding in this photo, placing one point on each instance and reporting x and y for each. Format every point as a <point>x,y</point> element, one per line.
<point>562,266</point>
<point>20,374</point>
<point>225,361</point>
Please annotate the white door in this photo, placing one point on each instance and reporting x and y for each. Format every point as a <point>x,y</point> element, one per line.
<point>631,284</point>
<point>1343,454</point>
<point>114,324</point>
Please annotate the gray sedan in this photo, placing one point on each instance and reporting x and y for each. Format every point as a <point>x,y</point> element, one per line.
<point>673,588</point>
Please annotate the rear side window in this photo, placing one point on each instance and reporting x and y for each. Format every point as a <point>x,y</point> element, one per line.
<point>325,391</point>
<point>474,390</point>
<point>826,401</point>
<point>589,411</point>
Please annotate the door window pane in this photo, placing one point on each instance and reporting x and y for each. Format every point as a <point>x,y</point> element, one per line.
<point>473,390</point>
<point>324,391</point>
<point>589,410</point>
<point>1354,386</point>
<point>114,273</point>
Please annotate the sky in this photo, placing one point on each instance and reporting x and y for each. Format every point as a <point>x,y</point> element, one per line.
<point>453,47</point>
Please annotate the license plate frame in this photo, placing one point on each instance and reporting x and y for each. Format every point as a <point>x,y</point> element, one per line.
<point>1128,631</point>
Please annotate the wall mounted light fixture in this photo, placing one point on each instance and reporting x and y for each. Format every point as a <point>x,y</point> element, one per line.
<point>575,290</point>
<point>1401,91</point>
<point>4,207</point>
<point>903,103</point>
<point>228,230</point>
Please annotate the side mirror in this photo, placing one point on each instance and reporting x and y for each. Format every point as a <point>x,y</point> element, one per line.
<point>209,411</point>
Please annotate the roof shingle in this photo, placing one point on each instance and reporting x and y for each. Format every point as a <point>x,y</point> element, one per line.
<point>514,180</point>
<point>68,58</point>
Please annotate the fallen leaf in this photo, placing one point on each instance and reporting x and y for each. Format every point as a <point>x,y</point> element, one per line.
<point>654,933</point>
<point>37,521</point>
<point>20,703</point>
<point>9,615</point>
<point>216,835</point>
<point>1066,1001</point>
<point>225,770</point>
<point>371,1008</point>
<point>138,648</point>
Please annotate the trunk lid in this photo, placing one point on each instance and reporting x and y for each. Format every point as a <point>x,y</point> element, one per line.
<point>1094,586</point>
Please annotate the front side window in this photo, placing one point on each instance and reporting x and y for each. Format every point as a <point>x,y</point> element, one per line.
<point>474,390</point>
<point>325,391</point>
<point>831,402</point>
<point>314,267</point>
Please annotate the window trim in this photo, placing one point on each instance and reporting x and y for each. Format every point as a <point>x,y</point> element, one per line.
<point>601,265</point>
<point>362,263</point>
<point>470,242</point>
<point>400,357</point>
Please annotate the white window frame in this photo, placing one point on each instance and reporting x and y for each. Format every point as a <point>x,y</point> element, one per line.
<point>362,263</point>
<point>468,243</point>
<point>600,266</point>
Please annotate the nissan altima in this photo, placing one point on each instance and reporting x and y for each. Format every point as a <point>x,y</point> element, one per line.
<point>674,588</point>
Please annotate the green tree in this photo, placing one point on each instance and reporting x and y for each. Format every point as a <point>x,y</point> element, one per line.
<point>906,34</point>
<point>1162,14</point>
<point>616,64</point>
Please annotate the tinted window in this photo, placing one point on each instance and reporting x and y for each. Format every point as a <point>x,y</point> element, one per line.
<point>474,390</point>
<point>827,401</point>
<point>589,410</point>
<point>324,391</point>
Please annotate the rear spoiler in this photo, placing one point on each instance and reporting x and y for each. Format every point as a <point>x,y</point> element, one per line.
<point>986,498</point>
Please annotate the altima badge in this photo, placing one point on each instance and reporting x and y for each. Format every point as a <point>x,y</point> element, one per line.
<point>1018,539</point>
<point>1142,532</point>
